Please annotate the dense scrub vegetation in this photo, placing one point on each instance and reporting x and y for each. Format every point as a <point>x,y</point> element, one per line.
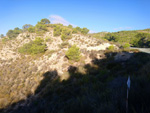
<point>43,25</point>
<point>57,30</point>
<point>13,33</point>
<point>66,31</point>
<point>66,34</point>
<point>40,28</point>
<point>45,21</point>
<point>132,38</point>
<point>26,27</point>
<point>31,29</point>
<point>73,53</point>
<point>34,47</point>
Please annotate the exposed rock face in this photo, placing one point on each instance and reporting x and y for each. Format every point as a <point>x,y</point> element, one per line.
<point>9,50</point>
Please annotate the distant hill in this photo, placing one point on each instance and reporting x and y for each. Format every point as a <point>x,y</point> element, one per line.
<point>136,38</point>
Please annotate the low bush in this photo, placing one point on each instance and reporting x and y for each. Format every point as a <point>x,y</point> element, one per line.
<point>84,31</point>
<point>45,21</point>
<point>40,28</point>
<point>57,31</point>
<point>14,33</point>
<point>76,30</point>
<point>111,48</point>
<point>70,26</point>
<point>26,27</point>
<point>73,53</point>
<point>34,47</point>
<point>31,29</point>
<point>66,34</point>
<point>126,45</point>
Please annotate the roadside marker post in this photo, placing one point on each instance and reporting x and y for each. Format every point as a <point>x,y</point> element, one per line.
<point>128,88</point>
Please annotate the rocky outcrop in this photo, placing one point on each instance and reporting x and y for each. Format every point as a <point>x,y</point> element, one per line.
<point>21,74</point>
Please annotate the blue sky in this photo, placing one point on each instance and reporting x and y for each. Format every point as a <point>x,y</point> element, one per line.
<point>97,15</point>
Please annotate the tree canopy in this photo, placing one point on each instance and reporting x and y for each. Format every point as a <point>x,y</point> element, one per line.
<point>31,29</point>
<point>57,30</point>
<point>70,26</point>
<point>84,31</point>
<point>26,26</point>
<point>1,36</point>
<point>14,33</point>
<point>40,27</point>
<point>45,21</point>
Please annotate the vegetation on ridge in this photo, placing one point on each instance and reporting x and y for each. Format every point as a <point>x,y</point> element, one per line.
<point>13,33</point>
<point>134,38</point>
<point>73,53</point>
<point>34,47</point>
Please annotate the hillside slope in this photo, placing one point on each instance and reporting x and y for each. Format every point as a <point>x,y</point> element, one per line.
<point>49,81</point>
<point>136,38</point>
<point>21,73</point>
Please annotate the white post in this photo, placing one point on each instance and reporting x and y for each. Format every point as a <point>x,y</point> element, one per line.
<point>128,88</point>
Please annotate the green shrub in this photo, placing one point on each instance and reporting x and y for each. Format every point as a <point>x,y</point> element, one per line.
<point>40,28</point>
<point>111,48</point>
<point>34,47</point>
<point>66,34</point>
<point>126,45</point>
<point>45,21</point>
<point>84,31</point>
<point>31,29</point>
<point>76,30</point>
<point>57,31</point>
<point>143,40</point>
<point>26,27</point>
<point>73,53</point>
<point>80,30</point>
<point>70,26</point>
<point>14,33</point>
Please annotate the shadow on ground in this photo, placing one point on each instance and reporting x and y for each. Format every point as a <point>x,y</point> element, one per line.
<point>99,87</point>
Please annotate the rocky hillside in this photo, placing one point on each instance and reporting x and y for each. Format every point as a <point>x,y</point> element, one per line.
<point>55,50</point>
<point>65,70</point>
<point>20,74</point>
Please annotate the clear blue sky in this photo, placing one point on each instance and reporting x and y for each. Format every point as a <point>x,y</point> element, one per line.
<point>97,15</point>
